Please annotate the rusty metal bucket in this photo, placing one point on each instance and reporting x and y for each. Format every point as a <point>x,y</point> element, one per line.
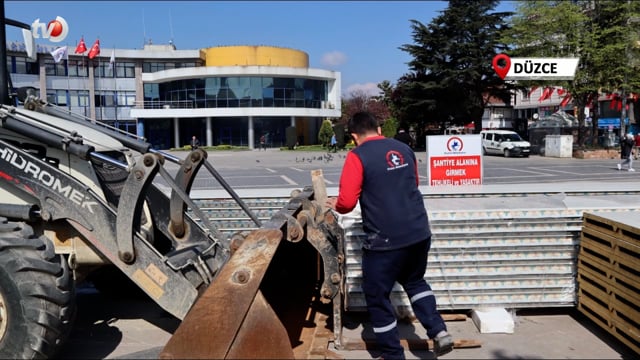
<point>260,302</point>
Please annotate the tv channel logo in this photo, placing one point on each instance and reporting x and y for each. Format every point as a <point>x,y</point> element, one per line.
<point>509,68</point>
<point>55,30</point>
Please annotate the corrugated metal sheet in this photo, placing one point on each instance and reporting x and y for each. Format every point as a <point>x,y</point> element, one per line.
<point>512,249</point>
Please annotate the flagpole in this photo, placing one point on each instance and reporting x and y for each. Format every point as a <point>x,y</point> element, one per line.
<point>100,87</point>
<point>112,61</point>
<point>68,81</point>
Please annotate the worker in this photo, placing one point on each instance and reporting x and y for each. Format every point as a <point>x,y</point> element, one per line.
<point>382,174</point>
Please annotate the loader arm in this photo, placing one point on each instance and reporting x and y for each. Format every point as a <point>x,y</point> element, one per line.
<point>62,198</point>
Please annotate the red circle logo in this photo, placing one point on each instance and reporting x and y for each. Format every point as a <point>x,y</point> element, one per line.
<point>455,144</point>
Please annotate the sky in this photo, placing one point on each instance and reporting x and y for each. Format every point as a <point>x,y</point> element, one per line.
<point>360,39</point>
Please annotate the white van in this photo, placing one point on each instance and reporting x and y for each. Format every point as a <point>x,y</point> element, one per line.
<point>504,142</point>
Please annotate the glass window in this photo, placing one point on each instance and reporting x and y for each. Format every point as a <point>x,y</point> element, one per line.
<point>49,67</point>
<point>20,65</point>
<point>151,92</point>
<point>125,69</point>
<point>79,98</point>
<point>243,91</point>
<point>57,97</point>
<point>78,68</point>
<point>126,98</point>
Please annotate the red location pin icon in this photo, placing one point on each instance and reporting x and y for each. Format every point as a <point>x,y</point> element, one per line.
<point>501,70</point>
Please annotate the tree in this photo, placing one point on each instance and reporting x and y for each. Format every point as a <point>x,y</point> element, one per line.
<point>554,29</point>
<point>361,101</point>
<point>596,31</point>
<point>325,133</point>
<point>451,77</point>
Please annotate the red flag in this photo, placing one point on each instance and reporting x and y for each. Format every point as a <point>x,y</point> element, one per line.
<point>81,48</point>
<point>566,100</point>
<point>95,49</point>
<point>560,92</point>
<point>534,88</point>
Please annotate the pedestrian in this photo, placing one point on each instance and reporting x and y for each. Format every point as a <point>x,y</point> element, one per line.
<point>382,174</point>
<point>263,142</point>
<point>404,136</point>
<point>334,143</point>
<point>626,145</point>
<point>195,143</point>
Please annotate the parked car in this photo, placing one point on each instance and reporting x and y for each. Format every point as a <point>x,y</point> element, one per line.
<point>504,142</point>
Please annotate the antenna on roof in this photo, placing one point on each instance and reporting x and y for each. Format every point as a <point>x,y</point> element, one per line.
<point>170,27</point>
<point>144,31</point>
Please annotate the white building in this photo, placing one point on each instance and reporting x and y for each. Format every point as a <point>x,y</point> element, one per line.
<point>223,95</point>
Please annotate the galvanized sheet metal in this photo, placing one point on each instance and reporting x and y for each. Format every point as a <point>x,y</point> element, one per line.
<point>504,247</point>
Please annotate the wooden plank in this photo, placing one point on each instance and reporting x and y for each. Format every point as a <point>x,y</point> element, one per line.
<point>352,344</point>
<point>618,304</point>
<point>615,248</point>
<point>624,277</point>
<point>612,279</point>
<point>616,332</point>
<point>624,226</point>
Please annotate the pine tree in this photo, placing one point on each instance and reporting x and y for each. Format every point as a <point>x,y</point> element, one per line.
<point>451,76</point>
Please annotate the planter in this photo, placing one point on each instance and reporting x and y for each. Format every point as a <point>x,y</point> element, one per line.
<point>597,154</point>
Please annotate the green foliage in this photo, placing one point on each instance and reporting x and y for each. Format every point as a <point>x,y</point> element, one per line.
<point>451,76</point>
<point>324,135</point>
<point>602,33</point>
<point>389,127</point>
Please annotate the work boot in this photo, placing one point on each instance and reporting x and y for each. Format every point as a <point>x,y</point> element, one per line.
<point>442,345</point>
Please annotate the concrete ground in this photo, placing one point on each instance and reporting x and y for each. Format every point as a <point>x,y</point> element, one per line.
<point>136,328</point>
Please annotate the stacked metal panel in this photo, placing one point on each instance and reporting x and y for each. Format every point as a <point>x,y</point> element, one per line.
<point>500,247</point>
<point>516,256</point>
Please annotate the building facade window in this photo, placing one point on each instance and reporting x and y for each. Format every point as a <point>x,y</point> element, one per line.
<point>155,66</point>
<point>55,69</point>
<point>79,98</point>
<point>237,91</point>
<point>77,68</point>
<point>125,69</point>
<point>57,97</point>
<point>21,65</point>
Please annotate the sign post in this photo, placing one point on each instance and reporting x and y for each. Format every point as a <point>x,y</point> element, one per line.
<point>454,160</point>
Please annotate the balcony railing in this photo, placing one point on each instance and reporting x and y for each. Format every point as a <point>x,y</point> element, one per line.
<point>163,104</point>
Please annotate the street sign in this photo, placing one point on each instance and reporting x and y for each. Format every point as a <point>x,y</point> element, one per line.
<point>454,160</point>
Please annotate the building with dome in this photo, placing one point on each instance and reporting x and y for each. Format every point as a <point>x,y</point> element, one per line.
<point>222,95</point>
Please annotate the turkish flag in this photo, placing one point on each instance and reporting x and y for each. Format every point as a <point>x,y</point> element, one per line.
<point>95,49</point>
<point>81,48</point>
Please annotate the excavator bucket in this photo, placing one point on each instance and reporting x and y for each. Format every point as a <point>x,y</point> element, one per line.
<point>232,318</point>
<point>264,297</point>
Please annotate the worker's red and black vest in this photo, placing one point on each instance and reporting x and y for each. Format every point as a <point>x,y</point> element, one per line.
<point>393,211</point>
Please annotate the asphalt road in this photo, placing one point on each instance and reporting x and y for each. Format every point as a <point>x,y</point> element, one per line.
<point>285,169</point>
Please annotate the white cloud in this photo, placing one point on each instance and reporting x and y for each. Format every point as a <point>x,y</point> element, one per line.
<point>370,89</point>
<point>334,58</point>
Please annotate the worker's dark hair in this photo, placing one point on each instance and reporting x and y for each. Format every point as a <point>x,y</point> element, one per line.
<point>362,122</point>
